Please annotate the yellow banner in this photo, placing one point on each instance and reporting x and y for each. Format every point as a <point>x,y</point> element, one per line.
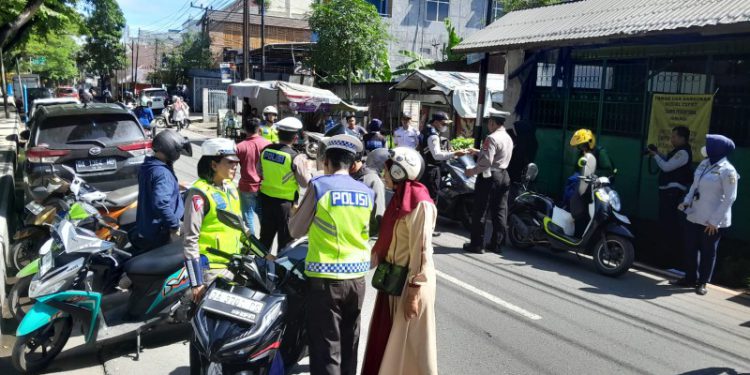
<point>671,110</point>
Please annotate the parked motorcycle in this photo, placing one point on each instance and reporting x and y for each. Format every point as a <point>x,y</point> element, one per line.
<point>535,220</point>
<point>257,321</point>
<point>75,284</point>
<point>456,194</point>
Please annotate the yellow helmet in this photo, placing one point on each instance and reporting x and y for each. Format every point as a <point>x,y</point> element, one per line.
<point>582,136</point>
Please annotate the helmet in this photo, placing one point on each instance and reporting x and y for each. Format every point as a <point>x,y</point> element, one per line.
<point>270,109</point>
<point>376,159</point>
<point>172,144</point>
<point>582,136</point>
<point>407,164</point>
<point>289,124</point>
<point>219,147</point>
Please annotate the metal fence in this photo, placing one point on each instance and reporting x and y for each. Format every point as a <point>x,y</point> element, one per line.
<point>214,100</point>
<point>201,83</point>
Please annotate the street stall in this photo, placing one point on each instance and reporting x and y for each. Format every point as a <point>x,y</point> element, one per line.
<point>455,93</point>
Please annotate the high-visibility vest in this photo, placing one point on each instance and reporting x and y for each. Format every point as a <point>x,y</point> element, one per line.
<point>214,233</point>
<point>278,172</point>
<point>269,132</point>
<point>338,235</point>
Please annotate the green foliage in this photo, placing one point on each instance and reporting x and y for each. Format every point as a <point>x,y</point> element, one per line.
<point>417,62</point>
<point>60,51</point>
<point>54,16</point>
<point>352,41</point>
<point>461,143</point>
<point>453,40</point>
<point>192,52</point>
<point>103,53</point>
<point>512,5</point>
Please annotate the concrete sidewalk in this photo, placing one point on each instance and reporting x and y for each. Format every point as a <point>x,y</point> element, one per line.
<point>9,129</point>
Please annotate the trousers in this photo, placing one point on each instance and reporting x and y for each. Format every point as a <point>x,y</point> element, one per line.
<point>700,252</point>
<point>671,220</point>
<point>274,221</point>
<point>250,207</point>
<point>334,308</point>
<point>431,180</point>
<point>491,195</point>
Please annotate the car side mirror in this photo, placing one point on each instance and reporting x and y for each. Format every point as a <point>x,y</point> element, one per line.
<point>531,172</point>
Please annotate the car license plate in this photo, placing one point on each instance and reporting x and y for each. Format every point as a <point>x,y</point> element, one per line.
<point>232,306</point>
<point>96,165</point>
<point>34,208</point>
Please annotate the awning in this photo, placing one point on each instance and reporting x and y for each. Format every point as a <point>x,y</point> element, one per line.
<point>461,88</point>
<point>301,98</point>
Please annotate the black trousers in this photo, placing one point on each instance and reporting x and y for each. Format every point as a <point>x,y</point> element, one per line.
<point>491,195</point>
<point>699,245</point>
<point>431,180</point>
<point>274,220</point>
<point>334,307</point>
<point>671,222</point>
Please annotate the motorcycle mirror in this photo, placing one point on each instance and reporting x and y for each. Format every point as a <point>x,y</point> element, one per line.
<point>531,172</point>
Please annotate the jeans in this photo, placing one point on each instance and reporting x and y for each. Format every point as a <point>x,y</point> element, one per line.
<point>250,207</point>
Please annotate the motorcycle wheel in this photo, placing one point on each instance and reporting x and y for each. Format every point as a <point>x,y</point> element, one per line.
<point>22,252</point>
<point>18,298</point>
<point>616,258</point>
<point>161,122</point>
<point>515,234</point>
<point>49,341</point>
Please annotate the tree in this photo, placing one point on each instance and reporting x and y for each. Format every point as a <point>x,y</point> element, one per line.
<point>512,5</point>
<point>19,17</point>
<point>352,42</point>
<point>103,53</point>
<point>417,62</point>
<point>453,40</point>
<point>59,49</point>
<point>193,52</point>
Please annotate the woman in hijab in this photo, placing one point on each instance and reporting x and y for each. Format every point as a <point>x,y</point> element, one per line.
<point>708,205</point>
<point>373,139</point>
<point>402,338</point>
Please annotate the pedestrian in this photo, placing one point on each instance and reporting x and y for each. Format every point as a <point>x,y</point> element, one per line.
<point>432,152</point>
<point>180,112</point>
<point>283,171</point>
<point>144,113</point>
<point>249,153</point>
<point>406,136</point>
<point>371,178</point>
<point>708,205</point>
<point>492,185</point>
<point>268,126</point>
<point>373,139</point>
<point>336,212</point>
<point>213,191</point>
<point>402,336</point>
<point>674,180</point>
<point>352,127</point>
<point>84,96</point>
<point>160,206</point>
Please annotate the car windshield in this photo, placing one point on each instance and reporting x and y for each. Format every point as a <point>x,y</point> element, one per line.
<point>151,94</point>
<point>87,130</point>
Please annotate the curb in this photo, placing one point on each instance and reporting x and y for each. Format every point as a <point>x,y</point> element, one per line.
<point>672,275</point>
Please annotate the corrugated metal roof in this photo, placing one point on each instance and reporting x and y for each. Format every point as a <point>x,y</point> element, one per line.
<point>600,20</point>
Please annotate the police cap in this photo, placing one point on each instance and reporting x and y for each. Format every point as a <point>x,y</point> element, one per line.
<point>289,124</point>
<point>345,142</point>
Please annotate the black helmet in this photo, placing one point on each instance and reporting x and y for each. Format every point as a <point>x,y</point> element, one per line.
<point>172,144</point>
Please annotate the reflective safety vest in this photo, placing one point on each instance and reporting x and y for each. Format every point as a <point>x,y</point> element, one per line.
<point>269,132</point>
<point>278,172</point>
<point>338,235</point>
<point>214,233</point>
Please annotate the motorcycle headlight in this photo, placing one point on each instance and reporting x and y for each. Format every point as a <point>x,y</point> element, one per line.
<point>614,200</point>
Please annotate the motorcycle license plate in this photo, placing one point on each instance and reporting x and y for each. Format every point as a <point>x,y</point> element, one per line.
<point>96,165</point>
<point>232,306</point>
<point>34,208</point>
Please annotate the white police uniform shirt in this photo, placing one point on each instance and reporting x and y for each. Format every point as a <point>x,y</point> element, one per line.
<point>406,137</point>
<point>716,186</point>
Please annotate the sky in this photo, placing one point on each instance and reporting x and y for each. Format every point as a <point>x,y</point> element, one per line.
<point>162,15</point>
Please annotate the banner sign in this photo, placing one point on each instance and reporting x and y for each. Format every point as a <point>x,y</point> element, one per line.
<point>226,72</point>
<point>671,110</point>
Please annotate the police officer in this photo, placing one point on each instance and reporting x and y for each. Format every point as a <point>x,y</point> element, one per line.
<point>433,153</point>
<point>371,178</point>
<point>674,180</point>
<point>214,190</point>
<point>492,186</point>
<point>335,213</point>
<point>268,127</point>
<point>708,205</point>
<point>283,172</point>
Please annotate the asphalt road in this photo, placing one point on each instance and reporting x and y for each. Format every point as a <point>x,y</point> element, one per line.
<point>522,312</point>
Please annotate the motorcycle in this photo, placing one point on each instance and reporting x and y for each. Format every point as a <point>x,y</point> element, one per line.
<point>313,144</point>
<point>166,119</point>
<point>256,322</point>
<point>456,195</point>
<point>535,220</point>
<point>76,283</point>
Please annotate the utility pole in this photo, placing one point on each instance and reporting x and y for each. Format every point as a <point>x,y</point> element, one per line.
<point>156,60</point>
<point>484,67</point>
<point>132,64</point>
<point>245,39</point>
<point>5,84</point>
<point>137,49</point>
<point>262,40</point>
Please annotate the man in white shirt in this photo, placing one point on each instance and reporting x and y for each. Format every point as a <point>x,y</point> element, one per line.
<point>406,136</point>
<point>429,148</point>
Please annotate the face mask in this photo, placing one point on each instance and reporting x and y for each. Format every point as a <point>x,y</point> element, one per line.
<point>703,152</point>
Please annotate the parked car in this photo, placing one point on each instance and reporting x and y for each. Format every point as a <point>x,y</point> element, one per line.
<point>103,143</point>
<point>66,92</point>
<point>157,96</point>
<point>51,101</point>
<point>34,93</point>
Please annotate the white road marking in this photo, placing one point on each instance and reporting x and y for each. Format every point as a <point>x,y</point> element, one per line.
<point>494,299</point>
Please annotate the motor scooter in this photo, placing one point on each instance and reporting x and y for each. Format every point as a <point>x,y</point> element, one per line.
<point>456,194</point>
<point>535,220</point>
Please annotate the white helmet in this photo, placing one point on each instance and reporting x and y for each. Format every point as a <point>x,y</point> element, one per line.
<point>407,164</point>
<point>219,147</point>
<point>270,109</point>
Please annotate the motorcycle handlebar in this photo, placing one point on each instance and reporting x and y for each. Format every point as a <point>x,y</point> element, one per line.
<point>123,253</point>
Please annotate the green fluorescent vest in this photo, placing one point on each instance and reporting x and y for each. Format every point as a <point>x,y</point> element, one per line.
<point>278,177</point>
<point>339,232</point>
<point>269,133</point>
<point>214,233</point>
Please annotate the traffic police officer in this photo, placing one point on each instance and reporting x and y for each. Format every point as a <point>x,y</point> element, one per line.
<point>268,128</point>
<point>335,213</point>
<point>708,205</point>
<point>214,190</point>
<point>283,172</point>
<point>433,153</point>
<point>492,186</point>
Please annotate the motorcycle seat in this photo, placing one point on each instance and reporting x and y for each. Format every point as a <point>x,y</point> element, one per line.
<point>122,197</point>
<point>159,261</point>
